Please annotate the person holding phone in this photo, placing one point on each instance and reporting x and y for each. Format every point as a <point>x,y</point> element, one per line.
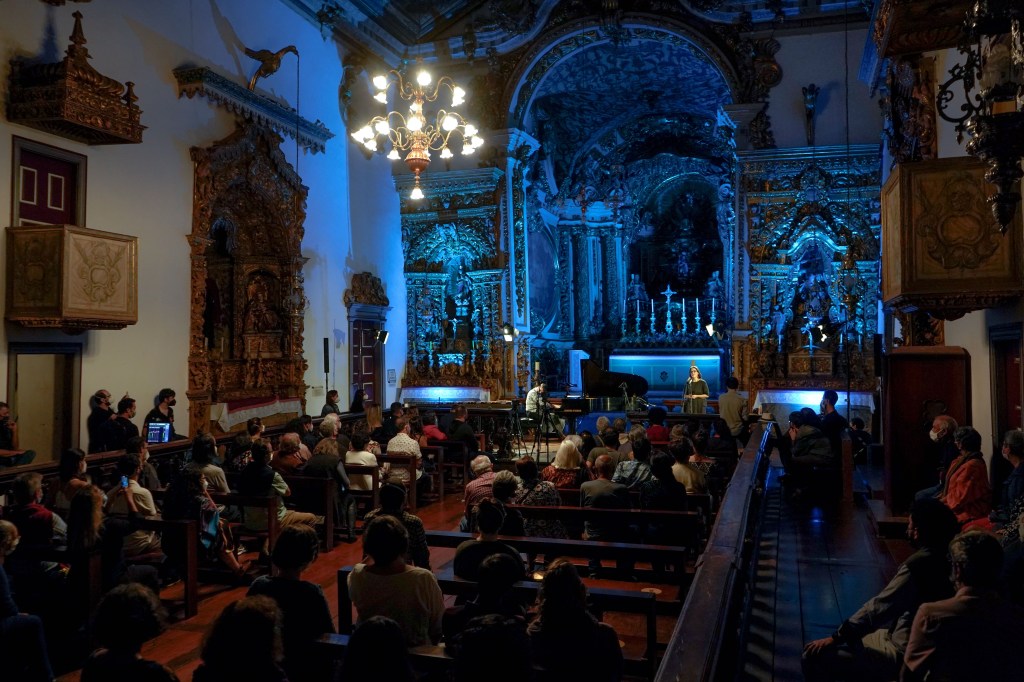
<point>140,541</point>
<point>10,454</point>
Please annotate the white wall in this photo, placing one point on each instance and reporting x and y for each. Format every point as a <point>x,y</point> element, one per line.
<point>146,190</point>
<point>817,59</point>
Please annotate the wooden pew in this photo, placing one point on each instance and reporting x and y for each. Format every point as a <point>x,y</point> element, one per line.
<point>409,463</point>
<point>317,496</point>
<point>455,460</point>
<point>371,496</point>
<point>588,549</point>
<point>183,535</point>
<point>687,522</point>
<point>268,503</point>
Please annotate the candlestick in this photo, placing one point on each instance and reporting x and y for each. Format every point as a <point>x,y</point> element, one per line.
<point>712,305</point>
<point>638,307</point>
<point>536,367</point>
<point>652,306</point>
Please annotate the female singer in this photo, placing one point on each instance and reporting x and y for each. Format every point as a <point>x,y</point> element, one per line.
<point>695,397</point>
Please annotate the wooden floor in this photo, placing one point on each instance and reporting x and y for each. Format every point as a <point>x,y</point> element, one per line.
<point>815,568</point>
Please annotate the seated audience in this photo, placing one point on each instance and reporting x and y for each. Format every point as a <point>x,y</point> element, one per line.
<point>663,491</point>
<point>477,490</point>
<point>141,541</point>
<point>536,492</point>
<point>22,641</point>
<point>286,461</point>
<point>619,426</point>
<point>10,454</point>
<point>657,431</point>
<point>305,614</point>
<point>1011,494</point>
<point>722,444</point>
<point>38,527</point>
<point>566,470</point>
<point>306,432</point>
<point>375,422</point>
<point>505,486</point>
<point>941,434</point>
<point>430,428</point>
<point>187,498</point>
<point>805,450</point>
<point>244,643</point>
<point>71,478</point>
<point>204,452</point>
<point>100,412</point>
<point>861,439</point>
<point>358,398</point>
<point>127,617</point>
<point>603,493</point>
<point>495,644</point>
<point>609,447</point>
<point>973,635</point>
<point>587,443</point>
<point>359,454</point>
<point>377,650</point>
<point>686,473</point>
<point>260,480</point>
<point>404,444</point>
<point>966,488</point>
<point>148,478</point>
<point>326,463</point>
<point>636,470</point>
<point>567,641</point>
<point>392,503</point>
<point>870,644</point>
<point>239,453</point>
<point>460,430</point>
<point>498,573</point>
<point>635,433</point>
<point>390,587</point>
<point>490,515</point>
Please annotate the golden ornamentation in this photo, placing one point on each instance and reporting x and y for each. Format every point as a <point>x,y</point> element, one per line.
<point>72,99</point>
<point>367,289</point>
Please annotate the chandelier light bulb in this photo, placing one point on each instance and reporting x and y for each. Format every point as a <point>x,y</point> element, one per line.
<point>380,82</point>
<point>415,123</point>
<point>458,96</point>
<point>423,78</point>
<point>476,141</point>
<point>415,107</point>
<point>371,144</point>
<point>446,153</point>
<point>381,97</point>
<point>416,193</point>
<point>382,127</point>
<point>393,154</point>
<point>450,123</point>
<point>467,149</point>
<point>470,130</point>
<point>365,133</point>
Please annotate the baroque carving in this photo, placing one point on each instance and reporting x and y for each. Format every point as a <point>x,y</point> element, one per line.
<point>760,131</point>
<point>248,299</point>
<point>366,288</point>
<point>910,110</point>
<point>914,26</point>
<point>71,99</point>
<point>920,329</point>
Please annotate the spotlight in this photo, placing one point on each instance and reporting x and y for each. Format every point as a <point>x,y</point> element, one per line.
<point>710,329</point>
<point>508,332</point>
<point>382,336</point>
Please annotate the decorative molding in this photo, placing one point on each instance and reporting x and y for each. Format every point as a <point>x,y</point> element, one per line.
<point>251,107</point>
<point>71,99</point>
<point>905,27</point>
<point>367,289</point>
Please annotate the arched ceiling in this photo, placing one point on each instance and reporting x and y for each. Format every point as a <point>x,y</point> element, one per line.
<point>605,87</point>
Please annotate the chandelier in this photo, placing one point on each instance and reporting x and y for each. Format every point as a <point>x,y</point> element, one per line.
<point>993,51</point>
<point>423,128</point>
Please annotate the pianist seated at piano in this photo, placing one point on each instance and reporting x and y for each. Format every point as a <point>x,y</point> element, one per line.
<point>537,406</point>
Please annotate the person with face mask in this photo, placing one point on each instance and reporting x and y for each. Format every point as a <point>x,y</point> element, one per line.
<point>941,434</point>
<point>163,413</point>
<point>870,644</point>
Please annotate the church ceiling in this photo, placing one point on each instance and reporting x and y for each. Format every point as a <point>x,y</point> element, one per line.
<point>602,94</point>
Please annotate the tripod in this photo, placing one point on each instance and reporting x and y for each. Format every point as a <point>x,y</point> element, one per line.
<point>544,422</point>
<point>514,432</point>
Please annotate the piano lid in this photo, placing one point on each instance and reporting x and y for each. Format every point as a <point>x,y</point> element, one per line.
<point>599,382</point>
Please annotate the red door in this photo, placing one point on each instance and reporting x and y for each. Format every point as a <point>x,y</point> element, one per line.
<point>366,358</point>
<point>48,190</point>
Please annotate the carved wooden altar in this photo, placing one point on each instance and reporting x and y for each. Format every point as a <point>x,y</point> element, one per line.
<point>246,328</point>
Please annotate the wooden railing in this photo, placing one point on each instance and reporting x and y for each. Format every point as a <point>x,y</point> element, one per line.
<point>704,641</point>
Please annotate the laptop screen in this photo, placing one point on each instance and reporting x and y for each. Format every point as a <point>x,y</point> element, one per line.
<point>158,433</point>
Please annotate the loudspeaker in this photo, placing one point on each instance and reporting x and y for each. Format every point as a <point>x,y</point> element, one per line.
<point>327,355</point>
<point>878,355</point>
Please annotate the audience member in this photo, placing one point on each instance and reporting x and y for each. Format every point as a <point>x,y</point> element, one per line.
<point>358,398</point>
<point>328,429</point>
<point>861,440</point>
<point>832,423</point>
<point>22,642</point>
<point>566,470</point>
<point>140,541</point>
<point>966,489</point>
<point>619,426</point>
<point>127,617</point>
<point>305,614</point>
<point>390,430</point>
<point>609,447</point>
<point>286,461</point>
<point>331,406</point>
<point>490,515</point>
<point>460,430</point>
<point>587,443</point>
<point>100,413</point>
<point>204,451</point>
<point>941,434</point>
<point>377,650</point>
<point>239,453</point>
<point>870,644</point>
<point>375,421</point>
<point>657,431</point>
<point>259,479</point>
<point>163,412</point>
<point>495,644</point>
<point>497,575</point>
<point>430,428</point>
<point>187,498</point>
<point>308,435</point>
<point>404,444</point>
<point>635,432</point>
<point>602,423</point>
<point>733,408</point>
<point>71,478</point>
<point>973,635</point>
<point>148,477</point>
<point>692,478</point>
<point>635,470</point>
<point>358,454</point>
<point>10,453</point>
<point>326,463</point>
<point>244,643</point>
<point>567,641</point>
<point>722,445</point>
<point>602,493</point>
<point>663,491</point>
<point>255,428</point>
<point>392,503</point>
<point>115,433</point>
<point>477,490</point>
<point>1011,494</point>
<point>505,486</point>
<point>389,587</point>
<point>38,527</point>
<point>294,426</point>
<point>806,448</point>
<point>534,491</point>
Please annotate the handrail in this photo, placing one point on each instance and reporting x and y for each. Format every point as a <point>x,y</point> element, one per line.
<point>694,649</point>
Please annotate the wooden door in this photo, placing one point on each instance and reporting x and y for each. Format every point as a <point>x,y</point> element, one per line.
<point>47,190</point>
<point>366,354</point>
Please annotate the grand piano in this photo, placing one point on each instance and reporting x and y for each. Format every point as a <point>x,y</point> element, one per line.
<point>603,391</point>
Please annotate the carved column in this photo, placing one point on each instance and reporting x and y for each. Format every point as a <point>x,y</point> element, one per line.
<point>581,282</point>
<point>565,274</point>
<point>519,147</point>
<point>199,390</point>
<point>613,292</point>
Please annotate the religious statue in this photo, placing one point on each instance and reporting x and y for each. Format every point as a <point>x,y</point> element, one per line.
<point>778,324</point>
<point>463,287</point>
<point>810,103</point>
<point>714,288</point>
<point>635,290</point>
<point>260,317</point>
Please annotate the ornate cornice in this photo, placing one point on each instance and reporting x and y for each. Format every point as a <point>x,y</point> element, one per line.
<point>263,111</point>
<point>366,289</point>
<point>450,191</point>
<point>914,26</point>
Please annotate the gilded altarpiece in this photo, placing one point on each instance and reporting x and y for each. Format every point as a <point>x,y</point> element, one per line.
<point>813,223</point>
<point>246,327</point>
<point>457,268</point>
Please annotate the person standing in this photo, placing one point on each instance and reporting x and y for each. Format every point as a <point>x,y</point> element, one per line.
<point>832,423</point>
<point>695,396</point>
<point>163,413</point>
<point>10,455</point>
<point>100,413</point>
<point>733,408</point>
<point>331,406</point>
<point>115,433</point>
